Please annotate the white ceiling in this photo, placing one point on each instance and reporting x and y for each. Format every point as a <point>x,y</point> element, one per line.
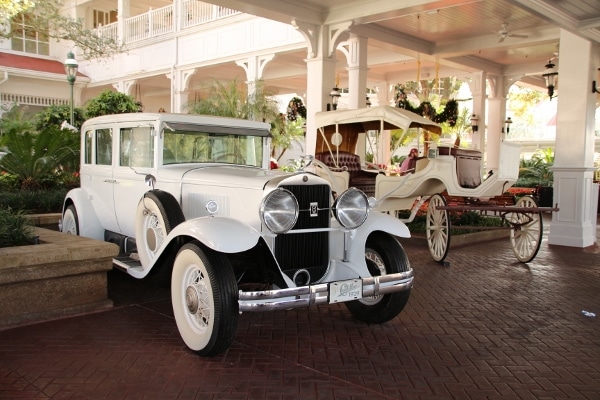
<point>445,37</point>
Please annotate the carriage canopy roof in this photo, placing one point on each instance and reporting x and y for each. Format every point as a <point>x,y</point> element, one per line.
<point>376,118</point>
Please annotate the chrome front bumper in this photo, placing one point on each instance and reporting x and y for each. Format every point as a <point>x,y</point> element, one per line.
<point>306,296</point>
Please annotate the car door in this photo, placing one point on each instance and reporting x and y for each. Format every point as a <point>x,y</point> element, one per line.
<point>136,159</point>
<point>97,174</point>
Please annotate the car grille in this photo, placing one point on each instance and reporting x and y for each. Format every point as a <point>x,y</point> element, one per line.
<point>309,251</point>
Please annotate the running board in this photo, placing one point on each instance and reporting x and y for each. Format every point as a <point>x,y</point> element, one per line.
<point>126,263</point>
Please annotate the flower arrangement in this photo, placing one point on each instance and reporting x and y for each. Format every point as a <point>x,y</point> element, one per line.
<point>425,109</point>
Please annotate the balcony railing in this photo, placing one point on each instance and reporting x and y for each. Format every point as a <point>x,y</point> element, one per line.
<point>163,20</point>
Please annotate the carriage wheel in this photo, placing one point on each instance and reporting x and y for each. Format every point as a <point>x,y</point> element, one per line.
<point>526,232</point>
<point>438,228</point>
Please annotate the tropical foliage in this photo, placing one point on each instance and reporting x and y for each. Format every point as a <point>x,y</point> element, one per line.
<point>537,171</point>
<point>55,115</point>
<point>15,228</point>
<point>109,102</point>
<point>231,99</point>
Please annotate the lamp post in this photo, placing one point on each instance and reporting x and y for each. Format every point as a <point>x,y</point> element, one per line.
<point>550,77</point>
<point>507,123</point>
<point>335,96</point>
<point>71,71</point>
<point>474,126</point>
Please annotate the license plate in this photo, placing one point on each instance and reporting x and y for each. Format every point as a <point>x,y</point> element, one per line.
<point>345,291</point>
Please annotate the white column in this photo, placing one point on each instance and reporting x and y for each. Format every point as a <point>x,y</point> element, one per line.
<point>123,12</point>
<point>320,71</point>
<point>125,86</point>
<point>575,223</point>
<point>180,94</point>
<point>320,77</point>
<point>254,67</point>
<point>496,117</point>
<point>477,84</point>
<point>355,50</point>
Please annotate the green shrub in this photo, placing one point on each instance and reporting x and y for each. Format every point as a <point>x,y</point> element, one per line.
<point>15,228</point>
<point>33,201</point>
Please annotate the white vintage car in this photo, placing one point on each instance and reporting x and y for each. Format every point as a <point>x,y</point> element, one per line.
<point>191,199</point>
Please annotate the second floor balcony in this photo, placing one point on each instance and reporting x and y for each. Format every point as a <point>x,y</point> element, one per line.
<point>178,16</point>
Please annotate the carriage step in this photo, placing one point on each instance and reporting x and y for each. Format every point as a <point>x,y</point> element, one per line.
<point>126,263</point>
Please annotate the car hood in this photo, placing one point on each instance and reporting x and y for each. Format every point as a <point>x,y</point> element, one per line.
<point>226,175</point>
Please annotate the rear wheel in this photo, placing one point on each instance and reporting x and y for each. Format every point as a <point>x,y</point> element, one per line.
<point>438,228</point>
<point>157,214</point>
<point>204,297</point>
<point>70,221</point>
<point>384,255</point>
<point>527,230</point>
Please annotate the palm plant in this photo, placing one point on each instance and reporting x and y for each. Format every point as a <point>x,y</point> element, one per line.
<point>231,99</point>
<point>538,170</point>
<point>37,159</point>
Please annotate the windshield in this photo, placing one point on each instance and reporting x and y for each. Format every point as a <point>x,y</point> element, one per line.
<point>187,146</point>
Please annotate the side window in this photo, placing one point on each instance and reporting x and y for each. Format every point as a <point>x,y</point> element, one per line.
<point>136,147</point>
<point>104,146</point>
<point>88,141</point>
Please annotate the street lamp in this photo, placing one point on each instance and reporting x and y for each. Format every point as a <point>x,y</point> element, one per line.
<point>71,71</point>
<point>335,96</point>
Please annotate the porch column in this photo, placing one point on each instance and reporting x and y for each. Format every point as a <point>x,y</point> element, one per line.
<point>477,85</point>
<point>355,50</point>
<point>123,12</point>
<point>496,117</point>
<point>125,86</point>
<point>322,42</point>
<point>179,93</point>
<point>575,224</point>
<point>254,67</point>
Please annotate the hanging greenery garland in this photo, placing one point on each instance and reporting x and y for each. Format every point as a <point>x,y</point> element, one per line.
<point>425,109</point>
<point>295,108</point>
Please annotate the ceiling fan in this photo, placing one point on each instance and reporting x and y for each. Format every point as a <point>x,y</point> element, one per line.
<point>504,33</point>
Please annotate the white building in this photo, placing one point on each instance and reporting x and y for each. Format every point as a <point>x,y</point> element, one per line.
<point>175,48</point>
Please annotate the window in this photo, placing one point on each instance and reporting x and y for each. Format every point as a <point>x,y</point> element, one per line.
<point>136,147</point>
<point>88,147</point>
<point>102,18</point>
<point>26,39</point>
<point>104,146</point>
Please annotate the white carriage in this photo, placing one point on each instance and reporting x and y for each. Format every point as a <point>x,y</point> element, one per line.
<point>456,171</point>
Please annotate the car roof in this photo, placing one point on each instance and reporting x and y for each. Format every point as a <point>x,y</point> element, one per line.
<point>260,128</point>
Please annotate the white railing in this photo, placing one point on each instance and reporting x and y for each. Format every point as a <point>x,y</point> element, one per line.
<point>21,99</point>
<point>151,24</point>
<point>161,21</point>
<point>195,12</point>
<point>108,31</point>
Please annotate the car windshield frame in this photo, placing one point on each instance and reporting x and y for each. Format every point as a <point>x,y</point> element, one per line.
<point>185,143</point>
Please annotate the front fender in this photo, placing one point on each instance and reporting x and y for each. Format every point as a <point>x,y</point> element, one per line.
<point>375,222</point>
<point>221,234</point>
<point>89,224</point>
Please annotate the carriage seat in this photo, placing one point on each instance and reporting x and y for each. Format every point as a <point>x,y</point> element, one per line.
<point>350,162</point>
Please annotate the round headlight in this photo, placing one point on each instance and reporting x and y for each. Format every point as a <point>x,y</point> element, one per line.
<point>279,210</point>
<point>351,208</point>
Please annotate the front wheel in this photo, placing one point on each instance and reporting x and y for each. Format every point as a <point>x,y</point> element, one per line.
<point>205,300</point>
<point>70,221</point>
<point>384,255</point>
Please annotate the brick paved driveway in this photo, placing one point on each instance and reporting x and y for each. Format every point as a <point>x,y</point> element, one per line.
<point>487,327</point>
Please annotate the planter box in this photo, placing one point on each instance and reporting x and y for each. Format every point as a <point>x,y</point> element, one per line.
<point>64,275</point>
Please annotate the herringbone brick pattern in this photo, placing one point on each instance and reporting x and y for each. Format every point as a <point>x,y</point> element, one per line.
<point>487,327</point>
